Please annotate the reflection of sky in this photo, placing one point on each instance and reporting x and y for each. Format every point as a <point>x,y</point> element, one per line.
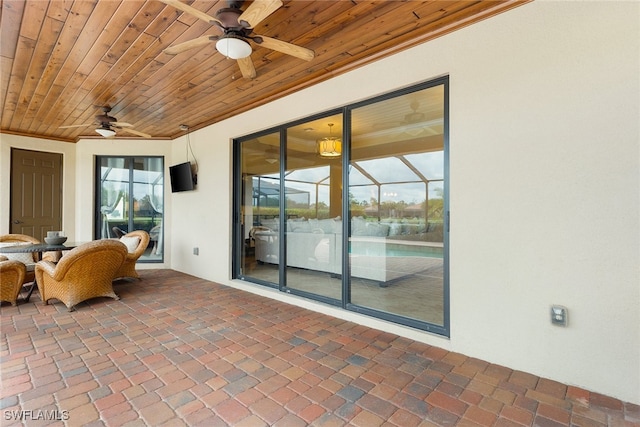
<point>389,169</point>
<point>431,165</point>
<point>392,169</point>
<point>309,175</point>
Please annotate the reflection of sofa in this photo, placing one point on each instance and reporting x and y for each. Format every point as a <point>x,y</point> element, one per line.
<point>313,251</point>
<point>317,245</point>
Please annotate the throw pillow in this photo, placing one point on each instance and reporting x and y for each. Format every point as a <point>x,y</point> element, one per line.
<point>131,242</point>
<point>25,258</point>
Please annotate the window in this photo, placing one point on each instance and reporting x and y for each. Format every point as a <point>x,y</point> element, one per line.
<point>130,196</point>
<point>387,175</point>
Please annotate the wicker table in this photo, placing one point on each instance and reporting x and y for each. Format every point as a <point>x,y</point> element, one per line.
<point>38,248</point>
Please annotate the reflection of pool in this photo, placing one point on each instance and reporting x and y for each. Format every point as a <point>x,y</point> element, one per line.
<point>387,249</point>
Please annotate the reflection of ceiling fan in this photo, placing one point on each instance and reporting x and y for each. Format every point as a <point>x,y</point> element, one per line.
<point>414,116</point>
<point>108,125</point>
<point>237,27</point>
<point>413,124</point>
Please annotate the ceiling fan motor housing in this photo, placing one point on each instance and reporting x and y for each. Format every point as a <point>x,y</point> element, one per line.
<point>105,118</point>
<point>235,4</point>
<point>229,18</point>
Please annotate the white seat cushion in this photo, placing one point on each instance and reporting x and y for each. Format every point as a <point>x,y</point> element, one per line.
<point>25,258</point>
<point>131,242</point>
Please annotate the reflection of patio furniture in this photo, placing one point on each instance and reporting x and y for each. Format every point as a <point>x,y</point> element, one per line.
<point>374,253</point>
<point>83,273</point>
<point>11,279</point>
<point>136,243</point>
<point>155,235</point>
<point>250,242</point>
<point>118,232</point>
<point>106,210</point>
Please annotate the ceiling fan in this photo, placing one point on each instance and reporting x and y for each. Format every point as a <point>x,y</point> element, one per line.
<point>108,125</point>
<point>237,27</point>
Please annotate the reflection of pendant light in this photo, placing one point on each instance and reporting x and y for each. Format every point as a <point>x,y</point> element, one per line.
<point>330,146</point>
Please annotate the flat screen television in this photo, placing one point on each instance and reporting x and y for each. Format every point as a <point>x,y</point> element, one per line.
<point>181,177</point>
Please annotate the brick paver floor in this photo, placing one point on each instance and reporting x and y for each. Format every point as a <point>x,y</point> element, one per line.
<point>181,351</point>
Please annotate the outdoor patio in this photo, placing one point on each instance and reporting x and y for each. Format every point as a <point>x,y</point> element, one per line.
<point>177,350</point>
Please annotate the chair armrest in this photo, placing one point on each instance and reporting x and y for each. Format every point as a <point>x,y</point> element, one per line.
<point>47,267</point>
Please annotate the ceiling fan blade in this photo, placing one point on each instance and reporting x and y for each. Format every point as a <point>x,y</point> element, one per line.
<point>75,126</point>
<point>190,44</point>
<point>257,11</point>
<point>135,132</point>
<point>191,11</point>
<point>287,48</point>
<point>121,124</point>
<point>247,68</point>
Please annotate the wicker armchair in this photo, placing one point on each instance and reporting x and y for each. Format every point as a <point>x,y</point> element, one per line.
<point>11,279</point>
<point>83,273</point>
<point>30,275</point>
<point>136,242</point>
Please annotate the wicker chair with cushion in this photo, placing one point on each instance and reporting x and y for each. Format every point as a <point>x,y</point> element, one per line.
<point>28,259</point>
<point>136,243</point>
<point>11,279</point>
<point>83,273</point>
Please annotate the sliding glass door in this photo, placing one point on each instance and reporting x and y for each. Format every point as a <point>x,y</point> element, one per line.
<point>396,188</point>
<point>350,207</point>
<point>314,208</point>
<point>130,196</point>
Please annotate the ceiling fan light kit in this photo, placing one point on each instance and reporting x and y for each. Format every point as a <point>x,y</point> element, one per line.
<point>106,132</point>
<point>233,47</point>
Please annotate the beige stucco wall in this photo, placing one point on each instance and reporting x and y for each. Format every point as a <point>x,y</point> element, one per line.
<point>545,187</point>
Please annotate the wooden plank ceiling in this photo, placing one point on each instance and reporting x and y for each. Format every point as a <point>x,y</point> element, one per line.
<point>63,60</point>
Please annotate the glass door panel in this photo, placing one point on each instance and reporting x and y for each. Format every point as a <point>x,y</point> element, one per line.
<point>313,206</point>
<point>396,244</point>
<point>260,208</point>
<point>114,196</point>
<point>131,197</point>
<point>147,190</point>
